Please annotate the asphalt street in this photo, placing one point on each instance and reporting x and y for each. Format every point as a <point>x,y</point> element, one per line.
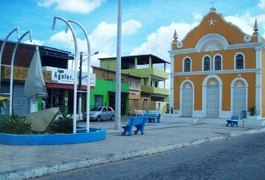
<point>236,158</point>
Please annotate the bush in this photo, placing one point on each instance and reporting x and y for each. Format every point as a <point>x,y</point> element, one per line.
<point>14,125</point>
<point>63,124</point>
<point>252,110</point>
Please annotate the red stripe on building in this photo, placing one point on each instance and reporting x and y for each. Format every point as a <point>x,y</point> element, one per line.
<point>62,86</point>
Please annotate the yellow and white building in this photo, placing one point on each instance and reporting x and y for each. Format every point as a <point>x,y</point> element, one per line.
<point>218,70</point>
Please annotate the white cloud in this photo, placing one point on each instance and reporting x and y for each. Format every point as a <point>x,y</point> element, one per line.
<point>66,41</point>
<point>35,42</point>
<point>65,38</point>
<point>102,39</point>
<point>131,27</point>
<point>197,17</point>
<point>245,22</point>
<point>158,42</point>
<point>262,4</point>
<point>76,6</point>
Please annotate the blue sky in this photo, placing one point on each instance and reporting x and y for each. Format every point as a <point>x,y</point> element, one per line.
<point>148,25</point>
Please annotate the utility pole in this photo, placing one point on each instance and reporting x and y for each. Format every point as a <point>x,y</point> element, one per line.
<point>118,70</point>
<point>80,86</point>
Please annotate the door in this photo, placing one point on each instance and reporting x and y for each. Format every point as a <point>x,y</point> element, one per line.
<point>212,98</point>
<point>239,97</point>
<point>98,100</point>
<point>20,102</point>
<point>187,99</point>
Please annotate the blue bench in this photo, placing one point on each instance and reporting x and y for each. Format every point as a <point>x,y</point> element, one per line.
<point>233,121</point>
<point>153,117</point>
<point>138,122</point>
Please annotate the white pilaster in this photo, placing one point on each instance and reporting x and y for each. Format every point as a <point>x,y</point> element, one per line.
<point>171,96</point>
<point>258,82</point>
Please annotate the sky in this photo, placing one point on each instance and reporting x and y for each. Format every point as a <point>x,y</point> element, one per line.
<point>147,25</point>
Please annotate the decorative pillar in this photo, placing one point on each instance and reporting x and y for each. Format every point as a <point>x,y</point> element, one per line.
<point>173,46</point>
<point>75,66</point>
<point>12,70</point>
<point>2,50</point>
<point>171,95</point>
<point>258,82</point>
<point>88,75</point>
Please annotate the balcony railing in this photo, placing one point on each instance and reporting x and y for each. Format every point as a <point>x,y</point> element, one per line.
<point>147,72</point>
<point>154,90</point>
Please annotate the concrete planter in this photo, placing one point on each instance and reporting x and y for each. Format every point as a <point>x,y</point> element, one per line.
<point>53,139</point>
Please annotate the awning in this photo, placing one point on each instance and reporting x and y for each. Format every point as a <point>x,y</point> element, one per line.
<point>63,86</point>
<point>59,86</point>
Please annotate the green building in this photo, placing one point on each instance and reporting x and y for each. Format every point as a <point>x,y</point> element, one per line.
<point>152,75</point>
<point>103,94</point>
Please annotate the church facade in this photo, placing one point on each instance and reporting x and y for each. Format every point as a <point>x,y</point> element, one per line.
<point>217,70</point>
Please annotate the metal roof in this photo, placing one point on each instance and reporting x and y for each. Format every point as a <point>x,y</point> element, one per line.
<point>53,52</point>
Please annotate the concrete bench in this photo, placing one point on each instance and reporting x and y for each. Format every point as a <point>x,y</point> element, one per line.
<point>233,121</point>
<point>139,112</point>
<point>138,122</point>
<point>152,117</point>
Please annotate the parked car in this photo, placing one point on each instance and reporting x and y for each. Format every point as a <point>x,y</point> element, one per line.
<point>101,113</point>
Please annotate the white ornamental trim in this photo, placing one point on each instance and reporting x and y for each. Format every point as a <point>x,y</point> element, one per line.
<point>179,44</point>
<point>247,38</point>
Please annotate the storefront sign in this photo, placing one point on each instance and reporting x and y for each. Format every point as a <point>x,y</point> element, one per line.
<point>66,76</point>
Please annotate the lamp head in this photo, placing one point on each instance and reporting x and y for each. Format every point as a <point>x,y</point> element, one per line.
<point>95,53</point>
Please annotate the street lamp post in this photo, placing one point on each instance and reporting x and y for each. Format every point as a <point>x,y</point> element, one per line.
<point>2,50</point>
<point>12,70</point>
<point>75,67</point>
<point>80,85</point>
<point>88,73</point>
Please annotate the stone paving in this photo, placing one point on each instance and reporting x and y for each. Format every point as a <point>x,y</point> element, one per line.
<point>21,162</point>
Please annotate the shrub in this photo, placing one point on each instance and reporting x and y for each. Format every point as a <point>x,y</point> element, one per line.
<point>252,110</point>
<point>14,124</point>
<point>63,124</point>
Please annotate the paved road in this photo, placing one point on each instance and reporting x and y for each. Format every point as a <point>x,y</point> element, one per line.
<point>237,158</point>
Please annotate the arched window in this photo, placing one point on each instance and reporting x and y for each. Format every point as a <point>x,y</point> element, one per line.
<point>239,61</point>
<point>187,65</point>
<point>206,63</point>
<point>217,62</point>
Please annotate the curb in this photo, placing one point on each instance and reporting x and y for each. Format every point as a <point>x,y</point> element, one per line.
<point>50,169</point>
<point>251,131</point>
